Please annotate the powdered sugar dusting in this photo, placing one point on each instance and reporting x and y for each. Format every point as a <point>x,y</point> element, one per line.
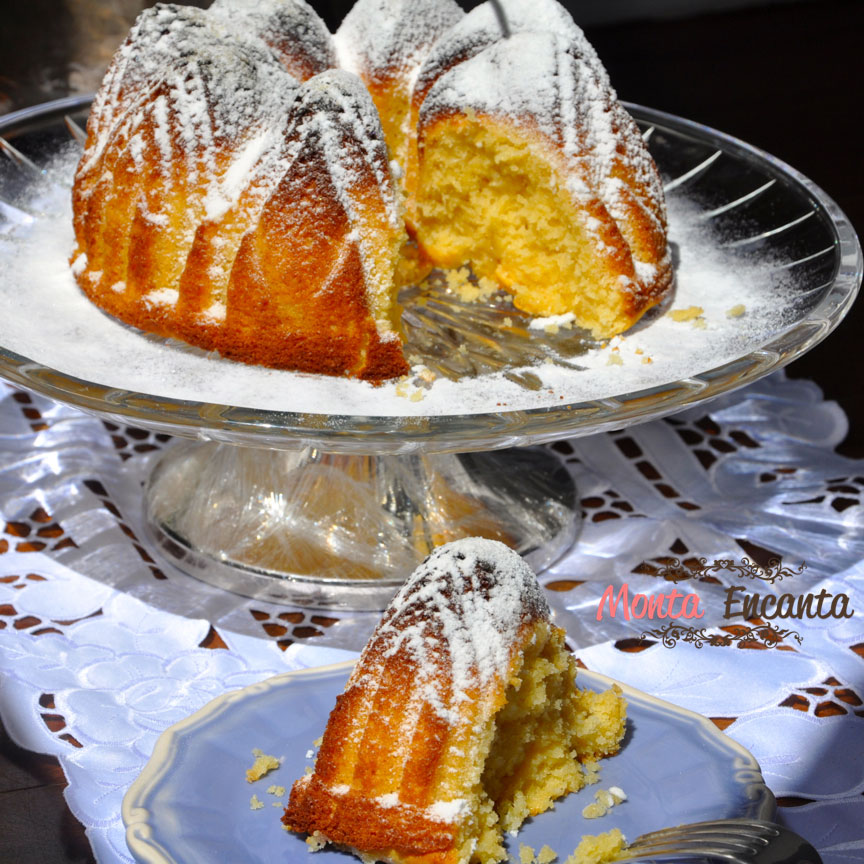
<point>335,116</point>
<point>448,811</point>
<point>161,297</point>
<point>291,28</point>
<point>226,192</point>
<point>456,622</point>
<point>481,28</point>
<point>388,37</point>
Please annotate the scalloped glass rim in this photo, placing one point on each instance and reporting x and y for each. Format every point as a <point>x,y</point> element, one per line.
<point>150,837</point>
<point>454,433</point>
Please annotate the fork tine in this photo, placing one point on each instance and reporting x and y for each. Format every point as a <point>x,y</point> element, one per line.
<point>716,836</point>
<point>735,841</point>
<point>676,852</point>
<point>725,844</point>
<point>740,827</point>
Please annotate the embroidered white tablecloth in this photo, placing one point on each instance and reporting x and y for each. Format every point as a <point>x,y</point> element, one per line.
<point>102,647</point>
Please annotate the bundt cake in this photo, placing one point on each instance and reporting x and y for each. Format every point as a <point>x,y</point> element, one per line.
<point>247,178</point>
<point>460,720</point>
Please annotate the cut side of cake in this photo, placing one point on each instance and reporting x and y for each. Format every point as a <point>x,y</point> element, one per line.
<point>531,170</point>
<point>460,720</point>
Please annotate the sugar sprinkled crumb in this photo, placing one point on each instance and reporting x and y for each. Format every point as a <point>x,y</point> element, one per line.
<point>604,801</point>
<point>310,754</point>
<point>687,314</point>
<point>406,390</point>
<point>618,794</point>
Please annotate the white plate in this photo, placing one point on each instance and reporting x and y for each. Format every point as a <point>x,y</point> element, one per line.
<point>191,802</point>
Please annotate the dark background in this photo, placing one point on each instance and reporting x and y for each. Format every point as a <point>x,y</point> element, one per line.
<point>783,76</point>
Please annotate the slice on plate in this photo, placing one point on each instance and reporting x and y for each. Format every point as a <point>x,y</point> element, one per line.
<point>460,720</point>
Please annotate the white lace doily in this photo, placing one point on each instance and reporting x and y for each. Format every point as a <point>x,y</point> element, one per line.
<point>102,647</point>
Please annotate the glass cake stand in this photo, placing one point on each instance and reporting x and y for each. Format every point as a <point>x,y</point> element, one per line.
<point>333,509</point>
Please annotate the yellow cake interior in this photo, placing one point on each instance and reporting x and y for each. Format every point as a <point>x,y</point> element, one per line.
<point>538,743</point>
<point>490,195</point>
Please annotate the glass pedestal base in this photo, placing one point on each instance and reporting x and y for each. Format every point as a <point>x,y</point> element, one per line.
<point>322,530</point>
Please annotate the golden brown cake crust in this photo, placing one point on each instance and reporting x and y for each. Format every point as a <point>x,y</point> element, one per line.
<point>203,154</point>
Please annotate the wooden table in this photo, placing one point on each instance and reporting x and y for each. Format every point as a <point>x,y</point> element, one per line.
<point>785,78</point>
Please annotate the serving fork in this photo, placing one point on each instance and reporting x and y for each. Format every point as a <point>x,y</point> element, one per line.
<point>741,841</point>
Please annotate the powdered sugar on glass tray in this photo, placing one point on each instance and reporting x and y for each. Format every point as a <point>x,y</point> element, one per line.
<point>726,305</point>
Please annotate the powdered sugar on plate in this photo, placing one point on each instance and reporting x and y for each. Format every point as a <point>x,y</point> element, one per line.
<point>45,318</point>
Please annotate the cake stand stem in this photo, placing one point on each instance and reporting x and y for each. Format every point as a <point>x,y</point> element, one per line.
<point>330,530</point>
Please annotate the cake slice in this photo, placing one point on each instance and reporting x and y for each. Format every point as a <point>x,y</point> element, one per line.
<point>460,720</point>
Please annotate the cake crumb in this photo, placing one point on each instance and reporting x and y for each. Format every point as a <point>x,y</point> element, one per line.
<point>262,765</point>
<point>546,855</point>
<point>526,854</point>
<point>638,351</point>
<point>592,771</point>
<point>700,323</point>
<point>594,810</point>
<point>646,361</point>
<point>255,803</point>
<point>736,311</point>
<point>278,791</point>
<point>315,841</point>
<point>614,360</point>
<point>599,849</point>
<point>687,314</point>
<point>487,286</point>
<point>416,396</point>
<point>277,804</point>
